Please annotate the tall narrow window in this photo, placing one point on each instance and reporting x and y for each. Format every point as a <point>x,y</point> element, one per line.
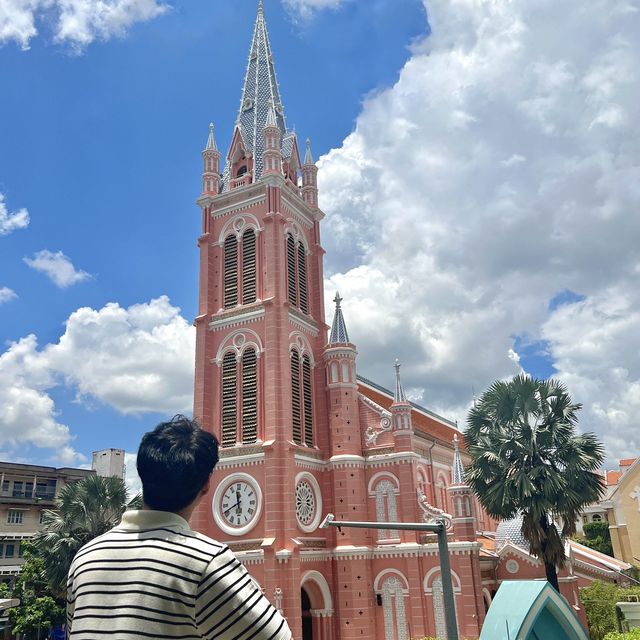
<point>229,412</point>
<point>296,405</point>
<point>308,401</point>
<point>292,289</point>
<point>302,278</point>
<point>249,396</point>
<point>395,617</point>
<point>249,266</point>
<point>386,508</point>
<point>230,272</point>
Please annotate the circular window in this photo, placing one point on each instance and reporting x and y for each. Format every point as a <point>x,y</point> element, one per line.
<point>308,502</point>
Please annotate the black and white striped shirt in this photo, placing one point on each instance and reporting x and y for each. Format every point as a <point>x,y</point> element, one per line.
<point>152,576</point>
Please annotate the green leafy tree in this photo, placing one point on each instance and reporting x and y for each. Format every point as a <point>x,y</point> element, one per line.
<point>597,536</point>
<point>38,609</point>
<point>84,510</point>
<point>599,600</point>
<point>528,459</point>
<point>632,634</point>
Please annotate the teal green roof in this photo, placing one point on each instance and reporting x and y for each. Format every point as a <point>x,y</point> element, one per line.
<point>531,610</point>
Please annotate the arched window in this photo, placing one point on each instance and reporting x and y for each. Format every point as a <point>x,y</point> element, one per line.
<point>437,594</point>
<point>229,386</point>
<point>240,285</point>
<point>241,171</point>
<point>249,396</point>
<point>386,508</point>
<point>395,617</point>
<point>249,267</point>
<point>239,398</point>
<point>297,289</point>
<point>230,271</point>
<point>302,398</point>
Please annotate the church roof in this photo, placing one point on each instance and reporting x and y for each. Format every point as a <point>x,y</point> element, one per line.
<point>260,93</point>
<point>425,422</point>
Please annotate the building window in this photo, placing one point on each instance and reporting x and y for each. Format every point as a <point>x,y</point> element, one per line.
<point>395,618</point>
<point>302,399</point>
<point>297,290</point>
<point>240,286</point>
<point>9,550</point>
<point>5,486</point>
<point>19,489</point>
<point>386,508</point>
<point>14,516</point>
<point>437,594</point>
<point>240,412</point>
<point>596,517</point>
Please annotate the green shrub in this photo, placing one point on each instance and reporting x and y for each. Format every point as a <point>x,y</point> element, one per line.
<point>634,634</point>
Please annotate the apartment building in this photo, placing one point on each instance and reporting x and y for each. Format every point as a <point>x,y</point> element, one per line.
<point>26,490</point>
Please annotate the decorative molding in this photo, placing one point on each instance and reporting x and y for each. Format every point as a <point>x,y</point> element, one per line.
<point>371,434</point>
<point>244,202</point>
<point>431,513</point>
<point>237,317</point>
<point>240,460</point>
<point>303,322</point>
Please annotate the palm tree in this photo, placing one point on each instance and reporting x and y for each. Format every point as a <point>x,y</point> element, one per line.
<point>527,459</point>
<point>84,510</point>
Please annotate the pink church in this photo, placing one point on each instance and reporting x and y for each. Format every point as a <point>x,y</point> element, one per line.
<point>302,435</point>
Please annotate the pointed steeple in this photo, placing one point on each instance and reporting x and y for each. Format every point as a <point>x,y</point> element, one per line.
<point>458,468</point>
<point>339,333</point>
<point>308,158</point>
<point>260,93</point>
<point>271,118</point>
<point>399,395</point>
<point>211,140</point>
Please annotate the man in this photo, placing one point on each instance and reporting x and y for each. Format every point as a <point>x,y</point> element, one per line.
<point>152,576</point>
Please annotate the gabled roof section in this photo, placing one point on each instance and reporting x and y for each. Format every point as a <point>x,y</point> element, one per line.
<point>260,93</point>
<point>339,333</point>
<point>425,422</point>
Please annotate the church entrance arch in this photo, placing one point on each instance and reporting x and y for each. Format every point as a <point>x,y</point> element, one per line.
<point>317,607</point>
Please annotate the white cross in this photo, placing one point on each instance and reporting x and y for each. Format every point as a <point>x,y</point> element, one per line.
<point>635,494</point>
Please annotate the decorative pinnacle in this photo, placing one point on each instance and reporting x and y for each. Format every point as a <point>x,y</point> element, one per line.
<point>339,333</point>
<point>399,395</point>
<point>458,468</point>
<point>271,117</point>
<point>260,8</point>
<point>308,158</point>
<point>211,141</point>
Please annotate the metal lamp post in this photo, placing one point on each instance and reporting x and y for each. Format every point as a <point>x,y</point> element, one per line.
<point>443,548</point>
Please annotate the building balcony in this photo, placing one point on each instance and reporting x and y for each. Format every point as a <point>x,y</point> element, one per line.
<point>7,497</point>
<point>242,181</point>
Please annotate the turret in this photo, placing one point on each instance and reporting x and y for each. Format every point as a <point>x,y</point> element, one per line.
<point>272,155</point>
<point>461,499</point>
<point>309,179</point>
<point>402,427</point>
<point>211,166</point>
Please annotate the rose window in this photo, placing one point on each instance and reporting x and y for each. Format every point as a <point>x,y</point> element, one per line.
<point>305,503</point>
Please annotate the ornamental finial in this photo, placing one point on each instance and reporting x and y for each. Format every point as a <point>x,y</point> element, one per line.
<point>458,467</point>
<point>339,333</point>
<point>260,8</point>
<point>211,141</point>
<point>308,158</point>
<point>399,395</point>
<point>337,300</point>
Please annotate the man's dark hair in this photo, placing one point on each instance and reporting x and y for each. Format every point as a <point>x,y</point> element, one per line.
<point>174,462</point>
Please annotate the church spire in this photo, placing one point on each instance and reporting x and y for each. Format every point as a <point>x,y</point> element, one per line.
<point>260,93</point>
<point>458,468</point>
<point>339,333</point>
<point>211,140</point>
<point>399,395</point>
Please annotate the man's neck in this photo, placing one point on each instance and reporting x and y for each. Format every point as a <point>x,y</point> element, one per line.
<point>183,513</point>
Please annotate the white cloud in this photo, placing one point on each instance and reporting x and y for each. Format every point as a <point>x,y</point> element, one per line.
<point>10,221</point>
<point>57,267</point>
<point>305,8</point>
<point>7,294</point>
<point>131,477</point>
<point>501,169</point>
<point>135,360</point>
<point>77,22</point>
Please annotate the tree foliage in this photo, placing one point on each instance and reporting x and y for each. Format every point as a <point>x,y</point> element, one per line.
<point>84,510</point>
<point>632,634</point>
<point>528,459</point>
<point>599,600</point>
<point>597,536</point>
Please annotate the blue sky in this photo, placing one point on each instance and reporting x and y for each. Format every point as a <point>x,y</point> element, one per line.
<point>478,172</point>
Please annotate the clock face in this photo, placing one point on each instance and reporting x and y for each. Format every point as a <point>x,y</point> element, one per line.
<point>308,502</point>
<point>237,503</point>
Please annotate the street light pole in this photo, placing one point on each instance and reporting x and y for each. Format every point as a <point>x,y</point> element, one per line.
<point>443,548</point>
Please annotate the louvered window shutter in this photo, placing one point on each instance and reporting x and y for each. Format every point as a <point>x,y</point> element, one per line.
<point>229,392</point>
<point>249,266</point>
<point>249,396</point>
<point>308,400</point>
<point>292,289</point>
<point>230,272</point>
<point>295,397</point>
<point>302,278</point>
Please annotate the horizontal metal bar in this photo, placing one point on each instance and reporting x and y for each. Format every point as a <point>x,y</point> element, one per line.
<point>330,521</point>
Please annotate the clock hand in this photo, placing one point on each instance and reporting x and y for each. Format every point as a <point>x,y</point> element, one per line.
<point>231,507</point>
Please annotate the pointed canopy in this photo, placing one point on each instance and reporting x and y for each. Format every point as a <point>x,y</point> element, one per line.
<point>399,395</point>
<point>339,333</point>
<point>259,93</point>
<point>458,468</point>
<point>211,140</point>
<point>308,157</point>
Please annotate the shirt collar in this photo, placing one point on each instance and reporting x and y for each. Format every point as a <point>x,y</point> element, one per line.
<point>147,519</point>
